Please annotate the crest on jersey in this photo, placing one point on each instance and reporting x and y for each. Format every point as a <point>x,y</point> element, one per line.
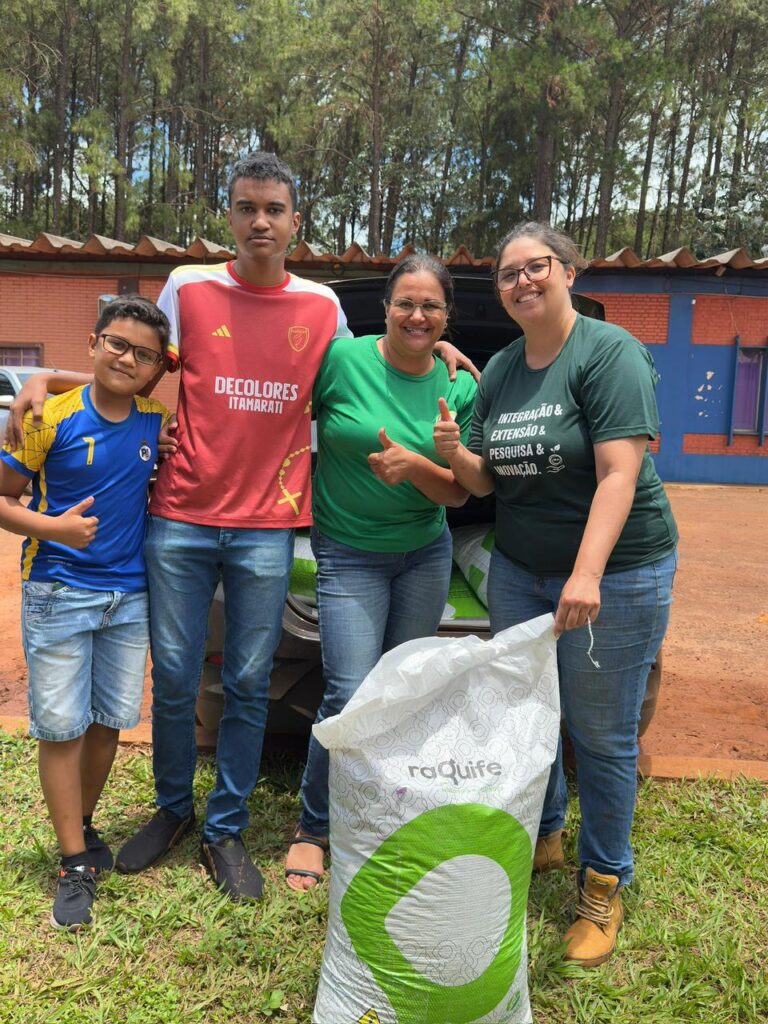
<point>145,452</point>
<point>298,338</point>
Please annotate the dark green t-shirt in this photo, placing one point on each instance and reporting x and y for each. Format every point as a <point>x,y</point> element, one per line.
<point>536,430</point>
<point>356,393</point>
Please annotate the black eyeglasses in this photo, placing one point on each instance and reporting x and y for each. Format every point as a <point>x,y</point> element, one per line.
<point>537,269</point>
<point>119,346</point>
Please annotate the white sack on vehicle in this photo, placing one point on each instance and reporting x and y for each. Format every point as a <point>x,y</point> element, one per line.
<point>472,546</point>
<point>438,768</point>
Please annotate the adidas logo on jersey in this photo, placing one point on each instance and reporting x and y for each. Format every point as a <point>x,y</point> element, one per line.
<point>221,332</point>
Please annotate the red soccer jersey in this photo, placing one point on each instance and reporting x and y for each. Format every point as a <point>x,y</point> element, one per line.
<point>248,357</point>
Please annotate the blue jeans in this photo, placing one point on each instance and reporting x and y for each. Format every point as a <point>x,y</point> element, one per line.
<point>368,602</point>
<point>185,563</point>
<point>601,706</point>
<point>86,654</point>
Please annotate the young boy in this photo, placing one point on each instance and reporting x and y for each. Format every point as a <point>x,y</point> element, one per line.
<point>84,590</point>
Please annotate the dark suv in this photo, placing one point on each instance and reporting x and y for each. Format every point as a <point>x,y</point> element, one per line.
<point>479,328</point>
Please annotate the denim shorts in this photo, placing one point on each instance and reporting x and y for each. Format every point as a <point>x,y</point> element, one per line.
<point>86,654</point>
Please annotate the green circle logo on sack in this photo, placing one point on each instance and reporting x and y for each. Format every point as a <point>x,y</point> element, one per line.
<point>399,864</point>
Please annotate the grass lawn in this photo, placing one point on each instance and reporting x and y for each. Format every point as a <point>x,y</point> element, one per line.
<point>166,948</point>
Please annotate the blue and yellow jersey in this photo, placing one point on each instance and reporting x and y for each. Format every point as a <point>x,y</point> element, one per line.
<point>75,453</point>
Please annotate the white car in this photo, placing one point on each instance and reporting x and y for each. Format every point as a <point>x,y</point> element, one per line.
<point>11,380</point>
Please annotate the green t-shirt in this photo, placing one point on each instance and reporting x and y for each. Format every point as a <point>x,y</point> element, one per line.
<point>536,429</point>
<point>356,393</point>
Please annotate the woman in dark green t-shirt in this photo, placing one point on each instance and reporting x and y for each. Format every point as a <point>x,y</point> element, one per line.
<point>382,545</point>
<point>584,530</point>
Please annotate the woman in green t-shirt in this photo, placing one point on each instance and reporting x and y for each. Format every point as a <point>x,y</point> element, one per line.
<point>380,538</point>
<point>584,530</point>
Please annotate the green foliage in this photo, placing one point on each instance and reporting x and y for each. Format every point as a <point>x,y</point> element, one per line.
<point>430,122</point>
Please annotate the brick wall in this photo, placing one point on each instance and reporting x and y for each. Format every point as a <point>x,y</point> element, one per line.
<point>717,444</point>
<point>58,311</point>
<point>718,318</point>
<point>644,316</point>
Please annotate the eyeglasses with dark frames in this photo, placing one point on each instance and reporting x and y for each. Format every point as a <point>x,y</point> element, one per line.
<point>119,346</point>
<point>537,269</point>
<point>432,309</point>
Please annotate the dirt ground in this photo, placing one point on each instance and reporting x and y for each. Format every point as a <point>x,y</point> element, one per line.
<point>714,695</point>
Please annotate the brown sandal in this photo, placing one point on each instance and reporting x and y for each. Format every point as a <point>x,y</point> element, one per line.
<point>300,837</point>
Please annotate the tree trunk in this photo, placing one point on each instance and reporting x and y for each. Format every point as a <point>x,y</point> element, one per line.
<point>608,171</point>
<point>377,129</point>
<point>737,165</point>
<point>341,234</point>
<point>123,101</point>
<point>201,117</point>
<point>653,128</point>
<point>690,142</point>
<point>657,208</point>
<point>149,201</point>
<point>395,187</point>
<point>545,158</point>
<point>485,131</point>
<point>60,113</point>
<point>440,205</point>
<point>666,241</point>
<point>71,146</point>
<point>583,238</point>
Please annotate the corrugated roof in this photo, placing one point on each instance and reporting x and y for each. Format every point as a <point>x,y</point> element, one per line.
<point>149,249</point>
<point>6,241</point>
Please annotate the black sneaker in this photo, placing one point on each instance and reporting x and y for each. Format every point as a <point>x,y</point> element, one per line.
<point>75,894</point>
<point>153,841</point>
<point>99,854</point>
<point>233,871</point>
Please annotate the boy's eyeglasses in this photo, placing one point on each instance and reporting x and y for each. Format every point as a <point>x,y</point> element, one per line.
<point>431,309</point>
<point>119,346</point>
<point>537,269</point>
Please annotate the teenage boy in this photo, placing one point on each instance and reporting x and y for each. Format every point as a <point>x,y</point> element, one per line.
<point>84,592</point>
<point>250,339</point>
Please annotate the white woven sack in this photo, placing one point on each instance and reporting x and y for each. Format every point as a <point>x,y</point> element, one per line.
<point>438,768</point>
<point>472,546</point>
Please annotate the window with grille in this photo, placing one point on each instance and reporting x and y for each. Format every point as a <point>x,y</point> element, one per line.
<point>749,414</point>
<point>21,355</point>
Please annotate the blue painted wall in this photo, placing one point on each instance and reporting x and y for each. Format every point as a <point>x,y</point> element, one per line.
<point>696,381</point>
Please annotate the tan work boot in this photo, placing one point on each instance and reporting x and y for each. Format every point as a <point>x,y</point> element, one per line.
<point>548,855</point>
<point>592,936</point>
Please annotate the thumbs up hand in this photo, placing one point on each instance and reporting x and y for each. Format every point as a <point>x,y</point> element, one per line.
<point>74,528</point>
<point>447,434</point>
<point>392,465</point>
